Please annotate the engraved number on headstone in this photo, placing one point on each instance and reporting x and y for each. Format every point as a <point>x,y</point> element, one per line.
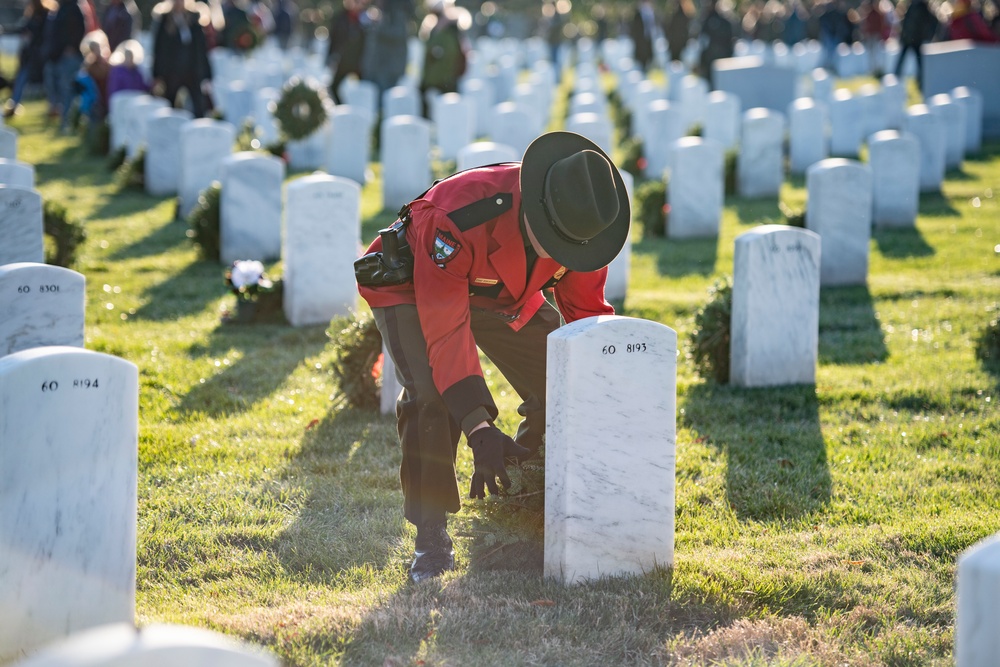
<point>23,289</point>
<point>48,288</point>
<point>86,383</point>
<point>50,385</point>
<point>629,348</point>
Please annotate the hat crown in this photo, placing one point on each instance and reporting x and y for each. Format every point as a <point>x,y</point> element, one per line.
<point>580,197</point>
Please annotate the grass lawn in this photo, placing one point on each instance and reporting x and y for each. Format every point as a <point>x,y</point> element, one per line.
<point>814,525</point>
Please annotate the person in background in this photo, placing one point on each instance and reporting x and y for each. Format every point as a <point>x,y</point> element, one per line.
<point>835,28</point>
<point>96,68</point>
<point>180,54</point>
<point>286,16</point>
<point>385,52</point>
<point>677,26</point>
<point>642,30</point>
<point>91,22</point>
<point>796,19</point>
<point>967,23</point>
<point>121,21</point>
<point>31,60</point>
<point>236,26</point>
<point>124,73</point>
<point>347,43</point>
<point>919,25</point>
<point>717,34</point>
<point>875,29</point>
<point>66,29</point>
<point>444,50</point>
<point>485,243</point>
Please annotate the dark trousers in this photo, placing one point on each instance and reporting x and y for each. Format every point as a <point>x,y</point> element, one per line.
<point>428,434</point>
<point>920,63</point>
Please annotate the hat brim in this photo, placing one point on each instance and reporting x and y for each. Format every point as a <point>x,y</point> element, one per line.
<point>541,154</point>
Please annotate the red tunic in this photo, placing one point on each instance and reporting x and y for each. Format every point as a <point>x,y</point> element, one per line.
<point>465,257</point>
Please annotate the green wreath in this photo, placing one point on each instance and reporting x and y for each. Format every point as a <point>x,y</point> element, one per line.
<point>301,109</point>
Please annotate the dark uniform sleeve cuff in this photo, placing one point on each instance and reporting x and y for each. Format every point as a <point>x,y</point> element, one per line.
<point>470,402</point>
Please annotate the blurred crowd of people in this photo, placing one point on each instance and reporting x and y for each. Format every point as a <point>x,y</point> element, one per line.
<point>81,54</point>
<point>717,25</point>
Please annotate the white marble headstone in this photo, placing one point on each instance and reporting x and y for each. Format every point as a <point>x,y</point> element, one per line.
<point>953,116</point>
<point>41,305</point>
<point>400,101</point>
<point>361,94</point>
<point>482,153</point>
<point>250,207</point>
<point>663,128</point>
<point>977,642</point>
<point>125,645</point>
<point>972,100</point>
<point>406,161</point>
<point>17,174</point>
<point>8,144</point>
<point>840,210</point>
<point>238,102</point>
<point>693,100</point>
<point>775,314</point>
<point>137,121</point>
<point>163,150</point>
<point>321,238</point>
<point>455,125</point>
<point>697,188</point>
<point>722,119</point>
<point>873,109</point>
<point>610,430</point>
<point>480,92</point>
<point>391,386</point>
<point>760,168</point>
<point>822,85</point>
<point>894,96</point>
<point>596,127</point>
<point>807,140</point>
<point>847,124</point>
<point>349,147</point>
<point>117,115</point>
<point>205,143</point>
<point>616,286</point>
<point>21,226</point>
<point>513,126</point>
<point>929,130</point>
<point>69,444</point>
<point>895,162</point>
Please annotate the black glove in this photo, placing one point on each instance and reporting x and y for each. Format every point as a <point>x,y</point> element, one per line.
<point>490,446</point>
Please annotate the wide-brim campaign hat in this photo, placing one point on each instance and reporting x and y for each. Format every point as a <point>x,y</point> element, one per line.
<point>575,200</point>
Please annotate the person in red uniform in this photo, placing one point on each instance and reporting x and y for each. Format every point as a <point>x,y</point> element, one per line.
<point>485,243</point>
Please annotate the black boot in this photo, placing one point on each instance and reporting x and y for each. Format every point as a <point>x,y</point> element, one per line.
<point>433,555</point>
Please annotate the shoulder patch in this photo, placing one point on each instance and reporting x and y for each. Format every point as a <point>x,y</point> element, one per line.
<point>483,210</point>
<point>446,247</point>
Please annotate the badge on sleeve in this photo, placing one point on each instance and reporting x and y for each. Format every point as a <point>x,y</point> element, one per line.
<point>446,247</point>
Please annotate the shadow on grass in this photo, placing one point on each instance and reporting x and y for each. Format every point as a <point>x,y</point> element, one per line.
<point>756,211</point>
<point>277,348</point>
<point>158,241</point>
<point>126,202</point>
<point>936,204</point>
<point>777,466</point>
<point>902,242</point>
<point>849,332</point>
<point>183,293</point>
<point>677,258</point>
<point>351,518</point>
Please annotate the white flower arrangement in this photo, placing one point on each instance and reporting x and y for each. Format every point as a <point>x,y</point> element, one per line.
<point>246,279</point>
